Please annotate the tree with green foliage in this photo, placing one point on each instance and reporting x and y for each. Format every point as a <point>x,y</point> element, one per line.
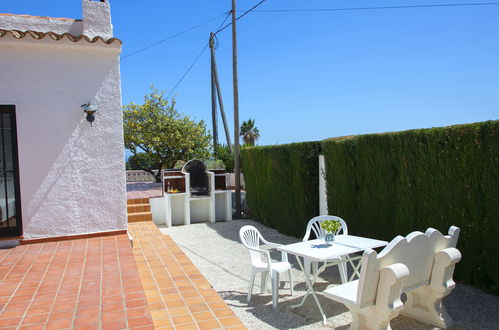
<point>144,162</point>
<point>223,153</point>
<point>249,132</point>
<point>158,135</point>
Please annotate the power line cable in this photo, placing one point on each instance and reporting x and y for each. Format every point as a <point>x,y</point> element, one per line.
<point>225,20</point>
<point>195,61</point>
<point>173,36</point>
<point>355,8</point>
<point>251,9</point>
<point>377,8</point>
<point>242,15</point>
<point>188,70</point>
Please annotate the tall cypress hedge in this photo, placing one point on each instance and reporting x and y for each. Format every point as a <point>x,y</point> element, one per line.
<point>281,185</point>
<point>390,184</point>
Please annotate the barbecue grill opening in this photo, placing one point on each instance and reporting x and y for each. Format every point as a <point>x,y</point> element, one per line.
<point>198,177</point>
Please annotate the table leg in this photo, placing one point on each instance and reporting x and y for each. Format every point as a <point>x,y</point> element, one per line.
<point>313,277</point>
<point>310,290</point>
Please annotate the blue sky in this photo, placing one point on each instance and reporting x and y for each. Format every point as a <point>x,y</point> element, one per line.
<point>310,76</point>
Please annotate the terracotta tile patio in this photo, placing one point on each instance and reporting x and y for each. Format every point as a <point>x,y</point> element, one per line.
<point>86,283</point>
<point>177,293</point>
<point>101,283</point>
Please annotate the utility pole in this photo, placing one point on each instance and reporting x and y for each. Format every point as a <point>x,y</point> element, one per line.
<point>213,95</point>
<point>214,72</point>
<point>237,165</point>
<point>222,110</point>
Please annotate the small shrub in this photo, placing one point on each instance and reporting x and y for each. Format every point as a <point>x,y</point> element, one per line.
<point>226,156</point>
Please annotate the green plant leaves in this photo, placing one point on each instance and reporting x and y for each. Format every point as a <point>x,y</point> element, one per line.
<point>160,131</point>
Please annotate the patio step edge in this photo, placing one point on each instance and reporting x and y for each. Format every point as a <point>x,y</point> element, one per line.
<point>139,216</point>
<point>136,208</point>
<point>137,201</point>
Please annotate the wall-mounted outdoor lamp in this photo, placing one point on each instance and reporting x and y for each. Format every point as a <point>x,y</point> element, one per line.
<point>89,110</point>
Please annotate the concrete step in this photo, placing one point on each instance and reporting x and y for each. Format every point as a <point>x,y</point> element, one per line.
<point>140,216</point>
<point>135,208</point>
<point>137,201</point>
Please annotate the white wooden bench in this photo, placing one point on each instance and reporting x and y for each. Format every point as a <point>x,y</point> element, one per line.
<point>420,265</point>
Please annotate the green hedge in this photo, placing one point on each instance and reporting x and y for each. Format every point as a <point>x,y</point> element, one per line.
<point>391,184</point>
<point>281,185</point>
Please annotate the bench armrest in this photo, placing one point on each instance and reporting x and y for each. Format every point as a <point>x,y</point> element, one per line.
<point>389,290</point>
<point>443,269</point>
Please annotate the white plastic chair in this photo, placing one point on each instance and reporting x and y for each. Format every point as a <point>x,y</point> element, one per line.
<point>251,237</point>
<point>314,225</point>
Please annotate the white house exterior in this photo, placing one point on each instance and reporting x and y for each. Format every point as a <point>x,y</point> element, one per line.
<point>71,174</point>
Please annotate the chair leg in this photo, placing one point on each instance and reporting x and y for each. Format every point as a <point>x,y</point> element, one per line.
<point>263,286</point>
<point>251,282</point>
<point>291,281</point>
<point>275,288</point>
<point>342,268</point>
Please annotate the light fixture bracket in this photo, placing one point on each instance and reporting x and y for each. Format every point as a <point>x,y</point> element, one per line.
<point>90,110</point>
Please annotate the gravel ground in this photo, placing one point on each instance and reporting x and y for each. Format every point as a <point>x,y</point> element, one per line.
<point>216,250</point>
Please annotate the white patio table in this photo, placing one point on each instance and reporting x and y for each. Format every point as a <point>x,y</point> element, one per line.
<point>318,250</point>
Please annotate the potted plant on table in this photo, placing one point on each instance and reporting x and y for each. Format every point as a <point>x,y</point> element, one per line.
<point>331,227</point>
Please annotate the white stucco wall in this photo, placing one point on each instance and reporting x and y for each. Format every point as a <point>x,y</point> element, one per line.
<point>72,175</point>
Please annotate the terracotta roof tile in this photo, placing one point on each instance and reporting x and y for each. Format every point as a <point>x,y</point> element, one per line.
<point>55,36</point>
<point>41,17</point>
